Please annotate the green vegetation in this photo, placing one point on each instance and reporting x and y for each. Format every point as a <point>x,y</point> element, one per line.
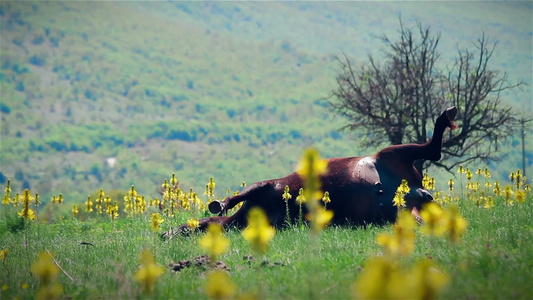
<point>224,90</point>
<point>97,255</point>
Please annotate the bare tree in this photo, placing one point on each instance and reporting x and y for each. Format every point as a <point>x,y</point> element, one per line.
<point>397,100</point>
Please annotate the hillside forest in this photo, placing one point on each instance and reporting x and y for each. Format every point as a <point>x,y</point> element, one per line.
<point>106,95</point>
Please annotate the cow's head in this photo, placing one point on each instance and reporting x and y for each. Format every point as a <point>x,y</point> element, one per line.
<point>415,200</point>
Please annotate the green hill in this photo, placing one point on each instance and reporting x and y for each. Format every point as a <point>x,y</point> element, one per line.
<point>229,90</point>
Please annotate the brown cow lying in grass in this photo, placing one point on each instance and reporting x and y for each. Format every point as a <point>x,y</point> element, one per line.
<point>361,189</point>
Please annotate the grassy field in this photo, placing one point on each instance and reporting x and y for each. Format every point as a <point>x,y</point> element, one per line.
<point>493,258</point>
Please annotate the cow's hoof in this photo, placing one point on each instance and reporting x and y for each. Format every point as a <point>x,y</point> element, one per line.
<point>215,207</point>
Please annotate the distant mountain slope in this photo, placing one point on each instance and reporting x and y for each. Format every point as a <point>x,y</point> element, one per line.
<point>223,89</point>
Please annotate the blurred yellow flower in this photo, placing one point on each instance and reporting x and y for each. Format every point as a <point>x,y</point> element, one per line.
<point>112,211</point>
<point>49,292</point>
<point>6,200</point>
<point>75,210</point>
<point>381,278</point>
<point>450,184</point>
<point>520,196</point>
<point>488,202</point>
<point>173,180</point>
<point>487,173</point>
<point>45,268</point>
<point>455,224</point>
<point>214,242</point>
<point>319,218</point>
<point>148,272</point>
<point>469,174</point>
<point>423,281</point>
<point>310,167</point>
<point>5,287</point>
<point>401,241</point>
<point>155,221</point>
<point>4,253</point>
<point>512,177</point>
<point>89,204</point>
<point>373,279</point>
<point>193,223</point>
<point>461,170</point>
<point>259,232</point>
<point>433,216</point>
<point>220,286</point>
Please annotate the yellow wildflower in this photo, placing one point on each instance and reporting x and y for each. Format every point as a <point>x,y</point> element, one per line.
<point>450,184</point>
<point>214,241</point>
<point>319,219</point>
<point>424,281</point>
<point>520,196</point>
<point>259,232</point>
<point>50,291</point>
<point>286,195</point>
<point>300,198</point>
<point>326,198</point>
<point>487,173</point>
<point>193,223</point>
<point>518,178</point>
<point>469,174</point>
<point>428,182</point>
<point>36,202</point>
<point>89,204</point>
<point>6,200</point>
<point>155,221</point>
<point>403,237</point>
<point>45,268</point>
<point>497,190</point>
<point>402,190</point>
<point>507,194</point>
<point>455,224</point>
<point>398,200</point>
<point>211,184</point>
<point>489,202</point>
<point>174,180</point>
<point>310,168</point>
<point>75,210</point>
<point>148,272</point>
<point>112,211</point>
<point>432,215</point>
<point>220,286</point>
<point>4,253</point>
<point>165,186</point>
<point>26,211</point>
<point>374,278</point>
<point>461,170</point>
<point>5,287</point>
